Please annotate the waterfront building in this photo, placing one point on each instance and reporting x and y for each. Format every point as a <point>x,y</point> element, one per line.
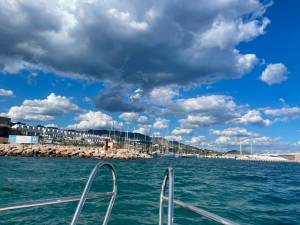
<point>4,129</point>
<point>56,135</point>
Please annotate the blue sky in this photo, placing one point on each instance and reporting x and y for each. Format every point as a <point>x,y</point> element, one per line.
<point>208,74</point>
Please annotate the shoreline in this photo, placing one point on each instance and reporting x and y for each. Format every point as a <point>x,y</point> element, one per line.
<point>51,150</point>
<point>71,151</point>
<point>258,158</point>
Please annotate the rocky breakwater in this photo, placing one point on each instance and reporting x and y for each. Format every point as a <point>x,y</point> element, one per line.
<point>68,151</point>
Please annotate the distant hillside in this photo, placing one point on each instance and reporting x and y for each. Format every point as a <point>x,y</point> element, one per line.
<point>236,152</point>
<point>146,138</point>
<point>122,134</point>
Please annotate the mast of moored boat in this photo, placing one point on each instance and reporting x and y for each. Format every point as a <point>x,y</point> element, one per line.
<point>240,147</point>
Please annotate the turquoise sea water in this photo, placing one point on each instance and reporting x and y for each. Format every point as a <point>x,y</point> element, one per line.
<point>245,192</point>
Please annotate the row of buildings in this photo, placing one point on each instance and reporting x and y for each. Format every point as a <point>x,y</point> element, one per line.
<point>23,133</point>
<point>10,132</point>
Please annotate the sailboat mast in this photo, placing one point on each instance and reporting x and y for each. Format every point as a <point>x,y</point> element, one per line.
<point>240,146</point>
<point>127,139</point>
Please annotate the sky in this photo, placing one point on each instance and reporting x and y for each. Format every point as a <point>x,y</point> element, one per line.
<point>212,74</point>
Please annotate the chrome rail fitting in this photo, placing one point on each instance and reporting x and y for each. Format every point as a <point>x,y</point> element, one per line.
<point>169,176</point>
<point>81,198</point>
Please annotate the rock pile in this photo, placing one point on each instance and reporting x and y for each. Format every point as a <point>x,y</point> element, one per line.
<point>68,151</point>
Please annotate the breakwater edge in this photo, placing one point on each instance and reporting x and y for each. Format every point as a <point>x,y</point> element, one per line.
<point>42,150</point>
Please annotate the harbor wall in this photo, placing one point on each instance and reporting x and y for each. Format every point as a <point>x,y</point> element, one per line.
<point>38,150</point>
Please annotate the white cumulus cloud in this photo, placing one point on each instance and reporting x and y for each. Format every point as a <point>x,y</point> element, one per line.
<point>237,135</point>
<point>208,110</point>
<point>199,120</point>
<point>129,116</point>
<point>95,120</point>
<point>233,132</point>
<point>274,74</point>
<point>284,111</point>
<point>163,95</point>
<point>6,93</point>
<point>253,117</point>
<point>206,103</point>
<point>145,129</point>
<point>143,120</point>
<point>161,123</point>
<point>181,131</point>
<point>132,117</point>
<point>43,109</point>
<point>197,141</point>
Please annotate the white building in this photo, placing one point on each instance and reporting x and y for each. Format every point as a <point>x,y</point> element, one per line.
<point>53,134</point>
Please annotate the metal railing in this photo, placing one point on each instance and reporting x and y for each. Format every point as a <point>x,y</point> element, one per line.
<point>169,176</point>
<point>81,198</point>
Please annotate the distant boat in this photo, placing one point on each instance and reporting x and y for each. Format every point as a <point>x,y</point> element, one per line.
<point>186,156</point>
<point>167,154</point>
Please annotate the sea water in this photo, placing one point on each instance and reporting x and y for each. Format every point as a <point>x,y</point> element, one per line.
<point>245,192</point>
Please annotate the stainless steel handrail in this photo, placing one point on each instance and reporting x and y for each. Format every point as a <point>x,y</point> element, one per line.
<point>52,201</point>
<point>169,176</point>
<point>81,198</point>
<point>87,189</point>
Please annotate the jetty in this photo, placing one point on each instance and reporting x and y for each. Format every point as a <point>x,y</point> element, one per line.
<point>51,150</point>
